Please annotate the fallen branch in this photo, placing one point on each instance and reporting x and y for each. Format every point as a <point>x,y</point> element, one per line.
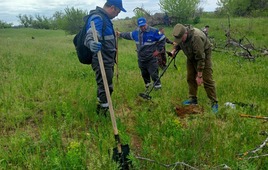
<point>260,147</point>
<point>256,117</point>
<point>254,151</point>
<point>174,165</point>
<point>166,165</point>
<point>259,156</point>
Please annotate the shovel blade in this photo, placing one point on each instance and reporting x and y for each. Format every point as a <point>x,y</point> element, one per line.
<point>145,96</point>
<point>122,157</point>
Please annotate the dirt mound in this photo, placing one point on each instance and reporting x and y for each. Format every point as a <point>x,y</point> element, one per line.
<point>183,111</point>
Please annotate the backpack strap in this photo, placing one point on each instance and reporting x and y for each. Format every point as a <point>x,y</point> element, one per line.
<point>94,12</point>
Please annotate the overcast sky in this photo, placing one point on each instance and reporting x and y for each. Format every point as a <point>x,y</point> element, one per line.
<point>10,9</point>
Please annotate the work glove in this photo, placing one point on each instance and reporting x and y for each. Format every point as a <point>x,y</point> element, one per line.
<point>172,53</point>
<point>117,33</point>
<point>156,53</point>
<point>95,46</point>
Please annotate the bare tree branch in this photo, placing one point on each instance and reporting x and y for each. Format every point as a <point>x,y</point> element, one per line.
<point>166,165</point>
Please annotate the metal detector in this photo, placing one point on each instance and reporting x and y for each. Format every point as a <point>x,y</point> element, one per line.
<point>146,94</point>
<point>120,152</point>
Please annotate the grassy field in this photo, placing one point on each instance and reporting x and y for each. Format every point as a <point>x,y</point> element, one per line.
<point>48,102</point>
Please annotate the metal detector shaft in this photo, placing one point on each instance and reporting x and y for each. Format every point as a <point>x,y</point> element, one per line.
<point>116,59</point>
<point>107,91</point>
<point>146,94</point>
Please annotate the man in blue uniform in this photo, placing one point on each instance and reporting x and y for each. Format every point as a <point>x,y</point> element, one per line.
<point>107,45</point>
<point>149,43</point>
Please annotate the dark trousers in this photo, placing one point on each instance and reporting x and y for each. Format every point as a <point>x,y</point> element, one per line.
<point>109,70</point>
<point>149,70</point>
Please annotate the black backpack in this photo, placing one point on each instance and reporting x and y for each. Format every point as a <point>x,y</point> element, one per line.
<point>84,54</point>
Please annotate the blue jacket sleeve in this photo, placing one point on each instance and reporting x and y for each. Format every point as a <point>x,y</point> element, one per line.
<point>98,25</point>
<point>126,35</point>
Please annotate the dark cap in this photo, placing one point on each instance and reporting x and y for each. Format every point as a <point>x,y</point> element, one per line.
<point>141,21</point>
<point>178,31</point>
<point>117,3</point>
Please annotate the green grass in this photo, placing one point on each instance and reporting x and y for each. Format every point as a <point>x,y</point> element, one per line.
<point>48,102</point>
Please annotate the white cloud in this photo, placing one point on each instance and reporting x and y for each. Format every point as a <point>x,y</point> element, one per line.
<point>42,5</point>
<point>11,9</point>
<point>209,5</point>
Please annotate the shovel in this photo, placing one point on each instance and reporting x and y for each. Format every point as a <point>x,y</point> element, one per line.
<point>146,94</point>
<point>121,152</point>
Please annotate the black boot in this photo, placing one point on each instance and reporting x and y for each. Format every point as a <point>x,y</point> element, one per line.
<point>101,110</point>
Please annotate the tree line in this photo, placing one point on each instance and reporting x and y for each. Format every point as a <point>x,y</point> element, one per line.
<point>243,8</point>
<point>70,20</point>
<point>184,11</point>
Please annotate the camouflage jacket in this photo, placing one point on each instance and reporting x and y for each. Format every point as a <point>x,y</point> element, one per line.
<point>196,47</point>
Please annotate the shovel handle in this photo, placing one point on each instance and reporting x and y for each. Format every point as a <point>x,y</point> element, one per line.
<point>104,78</point>
<point>107,91</point>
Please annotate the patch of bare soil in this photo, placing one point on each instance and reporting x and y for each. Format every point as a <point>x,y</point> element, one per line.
<point>183,111</point>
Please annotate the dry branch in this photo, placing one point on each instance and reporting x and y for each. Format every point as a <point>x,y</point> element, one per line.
<point>254,151</point>
<point>167,165</point>
<point>256,117</point>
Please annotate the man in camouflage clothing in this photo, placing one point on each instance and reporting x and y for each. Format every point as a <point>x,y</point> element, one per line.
<point>197,48</point>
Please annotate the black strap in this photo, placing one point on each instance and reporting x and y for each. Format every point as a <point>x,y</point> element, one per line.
<point>94,12</point>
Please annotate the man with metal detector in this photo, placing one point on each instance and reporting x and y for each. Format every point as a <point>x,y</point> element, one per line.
<point>149,43</point>
<point>107,46</point>
<point>197,48</point>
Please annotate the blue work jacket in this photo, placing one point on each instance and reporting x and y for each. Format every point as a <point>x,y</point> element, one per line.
<point>106,36</point>
<point>147,42</point>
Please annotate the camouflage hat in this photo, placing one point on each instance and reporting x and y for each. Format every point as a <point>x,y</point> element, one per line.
<point>178,31</point>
